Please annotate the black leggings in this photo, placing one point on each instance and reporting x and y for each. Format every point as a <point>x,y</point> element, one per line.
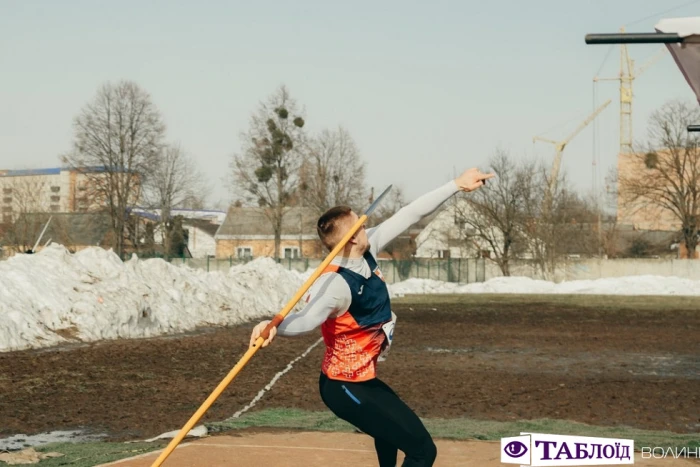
<point>377,411</point>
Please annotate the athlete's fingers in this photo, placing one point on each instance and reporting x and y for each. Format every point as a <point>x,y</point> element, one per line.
<point>257,330</point>
<point>273,333</point>
<point>481,180</point>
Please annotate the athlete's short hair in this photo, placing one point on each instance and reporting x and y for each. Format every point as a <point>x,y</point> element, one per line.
<point>327,225</point>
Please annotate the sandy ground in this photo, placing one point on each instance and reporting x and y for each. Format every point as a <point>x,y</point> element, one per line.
<point>326,449</point>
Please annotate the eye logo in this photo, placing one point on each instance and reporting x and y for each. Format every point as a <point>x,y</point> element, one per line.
<point>515,449</point>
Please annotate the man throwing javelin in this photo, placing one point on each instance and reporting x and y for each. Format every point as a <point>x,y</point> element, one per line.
<point>350,302</point>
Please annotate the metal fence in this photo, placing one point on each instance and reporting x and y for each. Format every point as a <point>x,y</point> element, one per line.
<point>462,270</point>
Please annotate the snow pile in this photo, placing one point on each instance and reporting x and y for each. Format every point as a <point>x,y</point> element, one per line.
<point>92,295</point>
<point>630,285</point>
<point>55,296</point>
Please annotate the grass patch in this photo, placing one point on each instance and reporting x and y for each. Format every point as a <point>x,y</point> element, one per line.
<point>284,418</point>
<point>461,428</point>
<point>93,453</point>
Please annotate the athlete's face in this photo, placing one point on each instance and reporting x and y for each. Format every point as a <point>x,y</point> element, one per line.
<point>360,239</point>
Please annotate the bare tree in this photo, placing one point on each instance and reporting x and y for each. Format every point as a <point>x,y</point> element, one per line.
<point>578,216</point>
<point>23,196</point>
<point>333,173</point>
<point>174,183</point>
<point>267,171</point>
<point>666,177</point>
<point>118,137</point>
<point>496,213</point>
<point>549,219</point>
<point>195,199</point>
<point>28,194</point>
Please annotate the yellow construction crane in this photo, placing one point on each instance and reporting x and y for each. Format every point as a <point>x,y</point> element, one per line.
<point>560,145</point>
<point>627,76</point>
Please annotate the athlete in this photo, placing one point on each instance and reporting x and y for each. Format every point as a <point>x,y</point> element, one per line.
<point>350,302</point>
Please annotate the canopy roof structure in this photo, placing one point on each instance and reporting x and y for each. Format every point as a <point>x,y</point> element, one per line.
<point>681,36</point>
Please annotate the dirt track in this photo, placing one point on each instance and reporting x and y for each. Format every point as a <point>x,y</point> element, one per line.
<point>323,449</point>
<point>485,361</point>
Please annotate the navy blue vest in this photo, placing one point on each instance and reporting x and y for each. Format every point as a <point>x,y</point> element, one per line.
<point>370,297</point>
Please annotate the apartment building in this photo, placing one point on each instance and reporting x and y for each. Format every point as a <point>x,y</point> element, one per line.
<point>49,190</point>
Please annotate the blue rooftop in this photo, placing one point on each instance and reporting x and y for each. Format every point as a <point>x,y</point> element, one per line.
<point>17,173</point>
<point>50,171</point>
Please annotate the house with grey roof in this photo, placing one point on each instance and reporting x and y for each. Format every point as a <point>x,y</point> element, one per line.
<point>247,233</point>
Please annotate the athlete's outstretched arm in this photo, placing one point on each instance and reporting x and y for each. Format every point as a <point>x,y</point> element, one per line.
<point>384,233</point>
<point>381,235</point>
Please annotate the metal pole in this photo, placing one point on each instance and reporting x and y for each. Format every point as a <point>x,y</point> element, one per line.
<point>634,38</point>
<point>42,233</point>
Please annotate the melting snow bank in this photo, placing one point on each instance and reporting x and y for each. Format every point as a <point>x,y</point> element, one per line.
<point>629,285</point>
<point>17,442</point>
<point>55,296</point>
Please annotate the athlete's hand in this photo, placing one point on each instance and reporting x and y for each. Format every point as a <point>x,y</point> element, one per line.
<point>257,330</point>
<point>472,179</point>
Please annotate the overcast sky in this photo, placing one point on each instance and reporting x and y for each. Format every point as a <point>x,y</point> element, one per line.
<point>425,88</point>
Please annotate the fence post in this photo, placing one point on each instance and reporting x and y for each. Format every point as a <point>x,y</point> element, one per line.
<point>230,261</point>
<point>207,263</point>
<point>429,268</point>
<point>438,268</point>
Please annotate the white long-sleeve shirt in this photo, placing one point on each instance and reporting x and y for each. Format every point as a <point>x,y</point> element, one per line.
<point>329,296</point>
